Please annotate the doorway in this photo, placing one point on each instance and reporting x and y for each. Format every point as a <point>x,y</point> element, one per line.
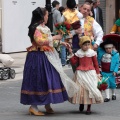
<point>117,9</point>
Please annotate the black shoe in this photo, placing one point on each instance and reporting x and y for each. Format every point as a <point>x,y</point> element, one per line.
<point>113,97</point>
<point>63,65</point>
<point>106,99</point>
<point>88,112</point>
<point>81,107</point>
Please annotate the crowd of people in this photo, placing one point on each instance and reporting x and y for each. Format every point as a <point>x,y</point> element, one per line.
<point>44,81</point>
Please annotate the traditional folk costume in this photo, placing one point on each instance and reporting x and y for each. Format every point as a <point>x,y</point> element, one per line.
<point>44,80</point>
<point>116,27</point>
<point>72,15</point>
<point>109,64</point>
<point>92,29</point>
<point>89,28</point>
<point>86,76</point>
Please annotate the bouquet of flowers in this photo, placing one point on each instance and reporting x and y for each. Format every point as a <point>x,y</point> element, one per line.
<point>102,85</point>
<point>63,28</point>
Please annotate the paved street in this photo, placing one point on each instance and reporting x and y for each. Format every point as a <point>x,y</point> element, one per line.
<point>11,109</point>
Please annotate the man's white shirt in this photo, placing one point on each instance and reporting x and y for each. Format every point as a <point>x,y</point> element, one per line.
<point>97,31</point>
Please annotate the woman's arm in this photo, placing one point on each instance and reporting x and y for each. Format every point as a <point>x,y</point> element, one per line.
<point>57,37</point>
<point>40,38</point>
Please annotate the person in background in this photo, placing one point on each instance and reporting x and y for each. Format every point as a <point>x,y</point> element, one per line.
<point>62,10</point>
<point>57,19</point>
<point>108,59</point>
<point>89,26</point>
<point>86,75</point>
<point>97,12</point>
<point>116,27</point>
<point>56,14</point>
<point>91,3</point>
<point>72,16</point>
<point>63,55</point>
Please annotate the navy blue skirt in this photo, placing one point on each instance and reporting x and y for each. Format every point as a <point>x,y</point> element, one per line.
<point>41,82</point>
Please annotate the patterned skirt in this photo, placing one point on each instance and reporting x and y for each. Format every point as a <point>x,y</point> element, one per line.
<point>41,82</point>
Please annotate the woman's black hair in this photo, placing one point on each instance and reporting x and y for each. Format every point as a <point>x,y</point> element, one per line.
<point>37,18</point>
<point>61,9</point>
<point>71,4</point>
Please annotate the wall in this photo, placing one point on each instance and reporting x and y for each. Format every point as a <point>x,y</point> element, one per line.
<point>110,14</point>
<point>15,28</point>
<point>0,13</point>
<point>0,25</point>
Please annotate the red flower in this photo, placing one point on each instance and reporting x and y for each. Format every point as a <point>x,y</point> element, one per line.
<point>57,25</point>
<point>76,25</point>
<point>103,87</point>
<point>65,23</point>
<point>63,28</point>
<point>68,26</point>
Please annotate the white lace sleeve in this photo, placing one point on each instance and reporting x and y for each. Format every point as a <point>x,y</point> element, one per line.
<point>89,53</point>
<point>98,33</point>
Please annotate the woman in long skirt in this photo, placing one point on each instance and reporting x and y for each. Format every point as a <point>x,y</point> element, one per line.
<point>44,81</point>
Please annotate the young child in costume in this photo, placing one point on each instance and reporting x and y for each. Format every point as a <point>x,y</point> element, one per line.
<point>108,59</point>
<point>86,76</point>
<point>44,81</point>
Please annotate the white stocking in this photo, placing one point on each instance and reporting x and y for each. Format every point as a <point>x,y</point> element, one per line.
<point>107,93</point>
<point>113,91</point>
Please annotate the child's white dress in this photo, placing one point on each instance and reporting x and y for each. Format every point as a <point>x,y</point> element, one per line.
<point>86,78</point>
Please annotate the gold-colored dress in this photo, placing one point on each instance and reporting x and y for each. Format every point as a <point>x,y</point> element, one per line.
<point>71,16</point>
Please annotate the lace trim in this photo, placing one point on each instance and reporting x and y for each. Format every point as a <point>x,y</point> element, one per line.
<point>90,53</point>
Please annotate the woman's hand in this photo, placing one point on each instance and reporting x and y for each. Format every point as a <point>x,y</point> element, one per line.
<point>67,45</point>
<point>57,37</point>
<point>99,76</point>
<point>70,51</point>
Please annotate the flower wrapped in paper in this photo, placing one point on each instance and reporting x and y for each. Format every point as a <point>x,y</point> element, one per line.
<point>64,28</point>
<point>102,84</point>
